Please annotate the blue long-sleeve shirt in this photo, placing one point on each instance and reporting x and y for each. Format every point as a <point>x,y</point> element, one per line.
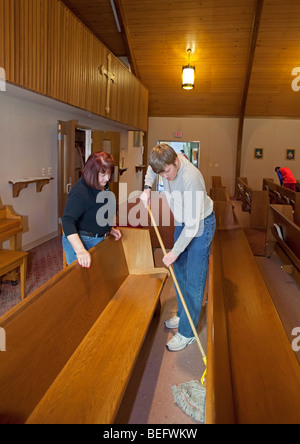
<point>280,177</point>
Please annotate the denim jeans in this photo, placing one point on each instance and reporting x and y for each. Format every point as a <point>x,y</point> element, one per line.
<point>88,243</point>
<point>191,270</point>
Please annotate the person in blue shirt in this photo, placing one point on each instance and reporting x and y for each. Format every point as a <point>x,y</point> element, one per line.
<point>286,178</point>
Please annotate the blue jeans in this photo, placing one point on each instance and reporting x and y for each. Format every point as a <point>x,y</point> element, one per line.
<point>191,270</point>
<point>88,243</point>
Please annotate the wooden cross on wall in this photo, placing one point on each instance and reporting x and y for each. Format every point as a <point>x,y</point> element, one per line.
<point>111,79</point>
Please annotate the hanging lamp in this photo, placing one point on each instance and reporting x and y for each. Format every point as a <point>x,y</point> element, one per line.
<point>188,74</point>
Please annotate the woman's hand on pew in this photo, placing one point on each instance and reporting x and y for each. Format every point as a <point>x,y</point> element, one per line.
<point>116,233</point>
<point>84,258</point>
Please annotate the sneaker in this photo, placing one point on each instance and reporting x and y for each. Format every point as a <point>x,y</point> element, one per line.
<point>173,322</point>
<point>179,342</point>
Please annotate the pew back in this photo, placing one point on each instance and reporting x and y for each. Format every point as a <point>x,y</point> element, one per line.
<point>287,244</point>
<point>283,196</point>
<point>46,330</point>
<point>255,201</point>
<point>253,375</point>
<point>225,215</point>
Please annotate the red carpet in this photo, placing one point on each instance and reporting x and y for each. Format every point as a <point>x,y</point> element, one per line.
<point>44,262</point>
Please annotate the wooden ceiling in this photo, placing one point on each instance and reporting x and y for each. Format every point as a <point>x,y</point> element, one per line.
<point>244,52</point>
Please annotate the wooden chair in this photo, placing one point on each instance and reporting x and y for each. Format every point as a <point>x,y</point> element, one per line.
<point>9,261</point>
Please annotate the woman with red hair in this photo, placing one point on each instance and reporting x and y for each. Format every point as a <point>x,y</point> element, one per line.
<point>90,210</point>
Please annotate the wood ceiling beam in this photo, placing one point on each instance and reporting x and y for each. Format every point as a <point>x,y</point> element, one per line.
<point>125,37</point>
<point>254,34</point>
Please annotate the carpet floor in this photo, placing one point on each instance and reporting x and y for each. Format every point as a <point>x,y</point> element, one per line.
<point>44,262</point>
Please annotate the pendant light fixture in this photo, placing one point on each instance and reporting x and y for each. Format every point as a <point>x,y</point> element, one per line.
<point>188,74</point>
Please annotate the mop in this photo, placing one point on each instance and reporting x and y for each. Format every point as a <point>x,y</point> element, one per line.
<point>189,396</point>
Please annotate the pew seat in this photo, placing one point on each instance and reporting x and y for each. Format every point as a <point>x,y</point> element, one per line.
<point>253,375</point>
<point>72,344</point>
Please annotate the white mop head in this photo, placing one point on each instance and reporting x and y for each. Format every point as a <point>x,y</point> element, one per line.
<point>190,397</point>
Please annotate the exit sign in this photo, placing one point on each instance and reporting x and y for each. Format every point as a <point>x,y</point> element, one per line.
<point>177,134</point>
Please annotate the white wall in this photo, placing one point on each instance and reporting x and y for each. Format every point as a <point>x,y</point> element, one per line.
<point>132,156</point>
<point>217,137</point>
<point>218,144</point>
<point>275,136</point>
<point>28,143</point>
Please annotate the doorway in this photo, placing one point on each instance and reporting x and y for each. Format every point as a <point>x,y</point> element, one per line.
<point>75,144</point>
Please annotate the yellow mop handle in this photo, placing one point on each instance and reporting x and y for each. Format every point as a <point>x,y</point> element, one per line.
<point>179,292</point>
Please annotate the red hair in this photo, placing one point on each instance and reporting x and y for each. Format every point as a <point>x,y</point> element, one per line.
<point>97,163</point>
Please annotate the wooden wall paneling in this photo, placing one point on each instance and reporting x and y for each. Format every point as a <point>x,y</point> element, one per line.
<point>12,40</point>
<point>2,35</point>
<point>123,82</point>
<point>17,52</point>
<point>92,86</point>
<point>46,49</point>
<point>89,77</point>
<point>21,43</point>
<point>115,102</point>
<point>84,63</point>
<point>53,46</point>
<point>99,84</point>
<point>63,54</point>
<point>103,82</point>
<point>44,46</point>
<point>30,35</point>
<point>8,20</point>
<point>67,66</point>
<point>72,67</point>
<point>77,68</point>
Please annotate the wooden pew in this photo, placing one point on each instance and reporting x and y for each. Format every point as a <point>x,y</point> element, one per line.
<point>283,235</point>
<point>283,196</point>
<point>72,344</point>
<point>255,201</point>
<point>253,375</point>
<point>132,212</point>
<point>224,210</point>
<point>216,182</point>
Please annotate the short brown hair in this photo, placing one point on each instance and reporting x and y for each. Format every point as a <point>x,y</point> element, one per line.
<point>97,163</point>
<point>161,156</point>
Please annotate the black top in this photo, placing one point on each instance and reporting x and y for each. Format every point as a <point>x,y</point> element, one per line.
<point>84,213</point>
